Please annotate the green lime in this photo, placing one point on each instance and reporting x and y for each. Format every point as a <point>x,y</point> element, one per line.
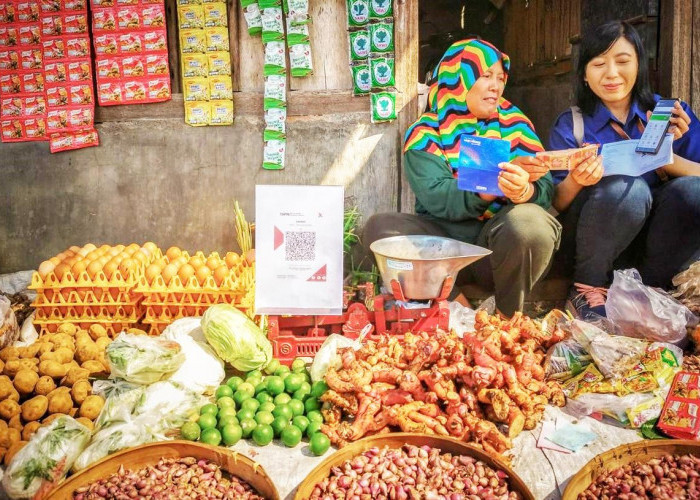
<point>226,412</point>
<point>281,370</point>
<point>301,395</point>
<point>272,366</point>
<point>283,410</point>
<point>318,388</point>
<point>275,385</point>
<point>264,417</point>
<point>291,436</point>
<point>314,416</point>
<point>307,376</point>
<point>313,428</point>
<point>227,420</point>
<point>284,375</point>
<point>211,436</point>
<point>234,382</point>
<point>251,404</point>
<point>207,421</point>
<point>260,387</point>
<point>244,413</point>
<point>240,396</point>
<point>267,406</point>
<point>231,434</point>
<point>264,397</point>
<point>209,408</point>
<point>298,365</point>
<point>282,399</point>
<point>247,388</point>
<point>190,431</point>
<point>319,443</point>
<point>225,402</point>
<point>224,390</point>
<point>293,382</point>
<point>278,425</point>
<point>253,374</point>
<point>247,426</point>
<point>301,422</point>
<point>312,404</point>
<point>297,407</point>
<point>263,434</point>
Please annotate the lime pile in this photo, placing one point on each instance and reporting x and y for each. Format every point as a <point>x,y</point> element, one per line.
<point>282,404</point>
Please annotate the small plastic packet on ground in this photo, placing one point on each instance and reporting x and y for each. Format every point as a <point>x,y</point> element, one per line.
<point>143,360</point>
<point>383,106</point>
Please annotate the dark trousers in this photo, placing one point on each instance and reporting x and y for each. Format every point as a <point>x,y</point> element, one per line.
<point>523,239</point>
<point>623,222</point>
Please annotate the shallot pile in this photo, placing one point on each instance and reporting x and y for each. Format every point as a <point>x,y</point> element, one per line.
<point>440,384</point>
<point>413,473</point>
<point>170,478</point>
<point>669,476</point>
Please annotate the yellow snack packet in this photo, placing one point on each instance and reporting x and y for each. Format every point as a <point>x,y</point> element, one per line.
<point>220,87</point>
<point>194,65</point>
<point>196,89</point>
<point>197,113</point>
<point>217,39</point>
<point>644,382</point>
<point>193,41</point>
<point>221,112</point>
<point>648,410</point>
<point>587,379</point>
<point>215,14</point>
<point>219,63</point>
<point>190,16</point>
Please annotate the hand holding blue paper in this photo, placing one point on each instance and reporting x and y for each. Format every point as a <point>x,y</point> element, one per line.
<point>479,158</point>
<point>620,158</point>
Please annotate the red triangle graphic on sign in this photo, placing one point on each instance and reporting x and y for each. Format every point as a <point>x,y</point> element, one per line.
<point>279,238</point>
<point>319,275</point>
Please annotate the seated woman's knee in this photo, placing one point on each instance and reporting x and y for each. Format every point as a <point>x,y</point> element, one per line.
<point>530,226</point>
<point>624,192</point>
<point>684,194</point>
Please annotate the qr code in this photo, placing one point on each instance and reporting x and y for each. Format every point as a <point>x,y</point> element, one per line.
<point>300,245</point>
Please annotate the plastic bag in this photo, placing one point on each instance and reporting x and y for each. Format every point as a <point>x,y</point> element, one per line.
<point>617,407</point>
<point>9,330</point>
<point>688,287</point>
<point>327,355</point>
<point>202,371</point>
<point>47,457</point>
<point>462,318</point>
<point>27,333</point>
<point>566,359</point>
<point>143,360</point>
<point>645,312</point>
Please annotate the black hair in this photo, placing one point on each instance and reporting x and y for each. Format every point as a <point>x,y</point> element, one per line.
<point>598,41</point>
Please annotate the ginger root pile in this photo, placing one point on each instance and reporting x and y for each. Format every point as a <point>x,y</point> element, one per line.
<point>483,389</point>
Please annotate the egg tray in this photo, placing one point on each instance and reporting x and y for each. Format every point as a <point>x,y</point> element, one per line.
<point>91,312</point>
<point>100,280</point>
<point>158,292</point>
<point>88,296</point>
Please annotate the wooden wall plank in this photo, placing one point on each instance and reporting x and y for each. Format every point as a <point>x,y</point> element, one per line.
<point>675,47</point>
<point>233,40</point>
<point>329,49</point>
<point>250,58</point>
<point>173,46</point>
<point>695,76</point>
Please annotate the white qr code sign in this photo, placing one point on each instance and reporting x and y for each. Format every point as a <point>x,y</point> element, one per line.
<point>299,249</point>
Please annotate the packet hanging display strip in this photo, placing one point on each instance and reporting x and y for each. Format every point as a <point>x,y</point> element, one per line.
<point>131,47</point>
<point>206,62</point>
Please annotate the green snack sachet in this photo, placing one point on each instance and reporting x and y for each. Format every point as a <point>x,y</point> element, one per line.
<point>275,60</point>
<point>358,13</point>
<point>272,25</point>
<point>381,37</point>
<point>359,45</point>
<point>297,33</point>
<point>380,9</point>
<point>383,106</point>
<point>273,154</point>
<point>275,126</point>
<point>275,92</point>
<point>300,61</point>
<point>361,79</point>
<point>251,12</point>
<point>382,69</point>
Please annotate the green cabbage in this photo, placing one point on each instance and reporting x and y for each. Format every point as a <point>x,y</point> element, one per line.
<point>235,338</point>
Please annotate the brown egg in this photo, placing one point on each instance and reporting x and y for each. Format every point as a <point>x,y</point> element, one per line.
<point>93,255</point>
<point>55,261</point>
<point>150,246</point>
<point>202,274</point>
<point>93,268</point>
<point>104,259</point>
<point>173,253</point>
<point>140,257</point>
<point>196,262</point>
<point>45,268</point>
<point>128,266</point>
<point>83,252</point>
<point>61,256</point>
<point>231,259</point>
<point>145,252</point>
<point>151,272</point>
<point>220,274</point>
<point>120,247</point>
<point>105,248</point>
<point>69,253</point>
<point>180,261</point>
<point>213,262</point>
<point>113,252</point>
<point>168,272</point>
<point>61,270</point>
<point>78,268</point>
<point>71,260</point>
<point>185,272</point>
<point>109,268</point>
<point>74,249</point>
<point>89,247</point>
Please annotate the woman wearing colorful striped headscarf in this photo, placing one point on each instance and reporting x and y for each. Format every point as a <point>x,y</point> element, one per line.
<point>466,98</point>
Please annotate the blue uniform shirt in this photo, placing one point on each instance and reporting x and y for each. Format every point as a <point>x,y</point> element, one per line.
<point>597,130</point>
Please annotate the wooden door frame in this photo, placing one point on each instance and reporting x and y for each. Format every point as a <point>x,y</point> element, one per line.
<point>678,76</point>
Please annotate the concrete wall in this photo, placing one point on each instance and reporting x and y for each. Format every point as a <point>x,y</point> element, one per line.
<point>164,181</point>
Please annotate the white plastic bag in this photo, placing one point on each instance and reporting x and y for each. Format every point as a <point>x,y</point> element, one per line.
<point>202,371</point>
<point>645,312</point>
<point>327,355</point>
<point>141,359</point>
<point>9,330</point>
<point>462,319</point>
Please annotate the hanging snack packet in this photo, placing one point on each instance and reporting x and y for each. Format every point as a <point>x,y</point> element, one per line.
<point>383,106</point>
<point>251,12</point>
<point>194,65</point>
<point>219,63</point>
<point>381,37</point>
<point>221,112</point>
<point>273,154</point>
<point>275,124</point>
<point>382,69</point>
<point>275,61</point>
<point>359,45</point>
<point>380,9</point>
<point>358,13</point>
<point>361,79</point>
<point>190,16</point>
<point>215,15</point>
<point>192,41</point>
<point>217,39</point>
<point>272,24</point>
<point>275,91</point>
<point>220,87</point>
<point>196,89</point>
<point>297,33</point>
<point>297,11</point>
<point>300,59</point>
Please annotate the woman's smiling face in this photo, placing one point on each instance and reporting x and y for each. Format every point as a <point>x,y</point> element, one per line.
<point>612,75</point>
<point>483,97</point>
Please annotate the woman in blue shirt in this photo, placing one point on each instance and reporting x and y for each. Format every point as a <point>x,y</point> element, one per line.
<point>613,221</point>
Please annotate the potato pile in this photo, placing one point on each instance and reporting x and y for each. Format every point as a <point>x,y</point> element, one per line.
<point>48,379</point>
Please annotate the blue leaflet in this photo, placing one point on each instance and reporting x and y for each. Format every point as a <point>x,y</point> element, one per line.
<point>478,163</point>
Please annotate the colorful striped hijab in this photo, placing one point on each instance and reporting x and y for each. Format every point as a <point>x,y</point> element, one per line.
<point>438,131</point>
